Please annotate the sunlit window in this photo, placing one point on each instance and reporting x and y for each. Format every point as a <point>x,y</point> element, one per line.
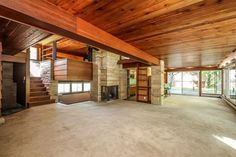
<point>73,87</point>
<point>87,87</point>
<point>77,87</point>
<point>64,88</point>
<point>33,53</point>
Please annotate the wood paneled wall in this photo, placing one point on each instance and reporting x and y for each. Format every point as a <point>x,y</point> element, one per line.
<point>65,69</point>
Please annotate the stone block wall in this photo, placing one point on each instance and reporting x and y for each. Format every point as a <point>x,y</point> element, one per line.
<point>95,84</point>
<point>157,84</point>
<point>123,77</point>
<point>46,76</point>
<point>46,72</point>
<point>53,90</point>
<point>9,87</point>
<point>106,72</point>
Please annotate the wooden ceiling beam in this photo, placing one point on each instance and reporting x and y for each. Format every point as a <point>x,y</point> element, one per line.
<point>48,17</point>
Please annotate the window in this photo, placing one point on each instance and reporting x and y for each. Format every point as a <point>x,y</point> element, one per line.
<point>33,53</point>
<point>230,83</point>
<point>77,87</point>
<point>211,82</point>
<point>191,83</point>
<point>73,87</point>
<point>87,87</point>
<point>175,82</point>
<point>64,88</point>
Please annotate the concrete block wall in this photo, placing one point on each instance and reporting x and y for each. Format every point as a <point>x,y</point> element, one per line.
<point>53,90</point>
<point>45,67</point>
<point>106,72</point>
<point>95,84</point>
<point>9,87</point>
<point>46,76</point>
<point>157,84</point>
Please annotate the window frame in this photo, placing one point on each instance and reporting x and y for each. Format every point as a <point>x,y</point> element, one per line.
<point>71,82</point>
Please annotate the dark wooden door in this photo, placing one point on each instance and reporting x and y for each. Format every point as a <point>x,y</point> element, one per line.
<point>19,72</point>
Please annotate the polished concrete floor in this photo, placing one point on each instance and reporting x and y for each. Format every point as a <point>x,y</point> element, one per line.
<point>184,127</point>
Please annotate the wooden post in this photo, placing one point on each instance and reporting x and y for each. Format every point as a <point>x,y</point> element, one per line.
<point>54,57</point>
<point>27,77</point>
<point>137,81</point>
<point>54,50</point>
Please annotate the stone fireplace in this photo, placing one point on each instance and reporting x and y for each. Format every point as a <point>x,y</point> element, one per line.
<point>109,78</point>
<point>109,93</point>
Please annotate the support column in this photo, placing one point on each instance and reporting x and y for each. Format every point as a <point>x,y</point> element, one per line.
<point>123,85</point>
<point>157,84</point>
<point>2,120</point>
<point>27,77</point>
<point>96,83</point>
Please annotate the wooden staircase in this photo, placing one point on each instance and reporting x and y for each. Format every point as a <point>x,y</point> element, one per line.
<point>38,93</point>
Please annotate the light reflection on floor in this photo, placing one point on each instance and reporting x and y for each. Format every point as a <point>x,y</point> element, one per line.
<point>230,142</point>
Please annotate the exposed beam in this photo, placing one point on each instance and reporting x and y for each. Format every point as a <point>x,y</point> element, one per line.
<point>125,61</point>
<point>9,58</point>
<point>65,55</point>
<point>192,69</point>
<point>46,16</point>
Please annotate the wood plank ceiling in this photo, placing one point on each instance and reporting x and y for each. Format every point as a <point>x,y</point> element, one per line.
<point>17,37</point>
<point>184,33</point>
<point>69,46</point>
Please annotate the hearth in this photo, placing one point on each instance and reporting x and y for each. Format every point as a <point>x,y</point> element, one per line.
<point>109,93</point>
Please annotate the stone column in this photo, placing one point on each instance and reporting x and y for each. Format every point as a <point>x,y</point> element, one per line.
<point>96,83</point>
<point>53,90</point>
<point>123,83</point>
<point>2,120</point>
<point>157,84</point>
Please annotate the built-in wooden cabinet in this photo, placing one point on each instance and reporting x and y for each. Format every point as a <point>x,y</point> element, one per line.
<point>65,69</point>
<point>143,84</point>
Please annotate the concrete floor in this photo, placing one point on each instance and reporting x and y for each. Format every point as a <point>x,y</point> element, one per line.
<point>184,127</point>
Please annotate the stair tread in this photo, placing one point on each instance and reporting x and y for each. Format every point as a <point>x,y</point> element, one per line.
<point>40,96</point>
<point>37,91</point>
<point>44,102</point>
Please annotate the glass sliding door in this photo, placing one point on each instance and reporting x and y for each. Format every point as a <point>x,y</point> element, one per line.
<point>175,82</point>
<point>211,82</point>
<point>190,83</point>
<point>184,82</point>
<point>230,83</point>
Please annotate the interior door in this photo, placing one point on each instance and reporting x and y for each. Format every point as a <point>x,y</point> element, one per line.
<point>19,72</point>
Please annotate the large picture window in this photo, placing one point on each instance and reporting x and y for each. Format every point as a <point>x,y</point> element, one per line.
<point>175,82</point>
<point>188,82</point>
<point>230,83</point>
<point>184,82</point>
<point>211,82</point>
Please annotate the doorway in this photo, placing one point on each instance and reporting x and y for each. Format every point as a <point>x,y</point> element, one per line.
<point>132,84</point>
